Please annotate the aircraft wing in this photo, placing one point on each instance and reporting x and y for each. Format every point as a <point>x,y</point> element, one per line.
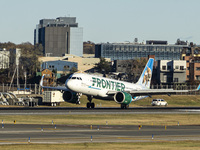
<point>149,92</point>
<point>59,88</point>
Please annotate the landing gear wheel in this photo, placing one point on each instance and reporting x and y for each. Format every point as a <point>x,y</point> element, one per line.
<point>124,106</point>
<point>78,102</point>
<point>90,105</point>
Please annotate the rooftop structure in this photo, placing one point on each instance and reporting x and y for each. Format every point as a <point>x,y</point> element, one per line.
<point>59,36</point>
<point>85,63</point>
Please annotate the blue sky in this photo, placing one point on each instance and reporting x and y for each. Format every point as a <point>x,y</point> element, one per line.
<point>105,20</point>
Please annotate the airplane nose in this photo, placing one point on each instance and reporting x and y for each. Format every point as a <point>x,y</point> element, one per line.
<point>70,84</point>
<point>67,84</point>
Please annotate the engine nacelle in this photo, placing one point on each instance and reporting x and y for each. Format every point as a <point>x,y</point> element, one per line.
<point>123,98</point>
<point>70,97</point>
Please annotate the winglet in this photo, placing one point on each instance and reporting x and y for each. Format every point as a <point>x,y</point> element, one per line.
<point>41,81</point>
<point>198,87</point>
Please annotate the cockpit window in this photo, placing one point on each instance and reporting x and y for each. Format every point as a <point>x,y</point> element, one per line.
<point>78,78</point>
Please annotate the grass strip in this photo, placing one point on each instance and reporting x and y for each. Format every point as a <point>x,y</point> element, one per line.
<point>172,145</point>
<point>173,100</point>
<point>111,119</point>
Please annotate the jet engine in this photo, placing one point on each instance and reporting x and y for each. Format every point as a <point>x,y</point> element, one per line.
<point>123,98</point>
<point>70,97</point>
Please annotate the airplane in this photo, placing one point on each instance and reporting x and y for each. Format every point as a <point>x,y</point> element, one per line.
<point>103,88</point>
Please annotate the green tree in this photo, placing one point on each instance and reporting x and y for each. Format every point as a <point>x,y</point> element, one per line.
<point>73,69</point>
<point>8,45</point>
<point>4,75</point>
<point>88,47</point>
<point>38,49</point>
<point>136,69</point>
<point>28,61</point>
<point>103,65</point>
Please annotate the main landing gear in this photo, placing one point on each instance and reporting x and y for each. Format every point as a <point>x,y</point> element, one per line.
<point>124,106</point>
<point>90,104</point>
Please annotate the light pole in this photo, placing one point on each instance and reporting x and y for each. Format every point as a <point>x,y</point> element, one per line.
<point>25,81</point>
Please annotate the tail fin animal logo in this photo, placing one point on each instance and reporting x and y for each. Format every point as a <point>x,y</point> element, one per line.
<point>147,76</point>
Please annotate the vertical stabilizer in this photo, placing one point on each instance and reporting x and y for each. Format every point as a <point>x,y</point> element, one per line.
<point>145,78</point>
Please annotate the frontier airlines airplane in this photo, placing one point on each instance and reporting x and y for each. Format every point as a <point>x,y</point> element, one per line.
<point>109,89</point>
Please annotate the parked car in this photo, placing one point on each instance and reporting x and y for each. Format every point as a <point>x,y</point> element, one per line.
<point>159,102</point>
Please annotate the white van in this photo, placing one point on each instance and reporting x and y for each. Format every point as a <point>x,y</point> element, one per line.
<point>159,102</point>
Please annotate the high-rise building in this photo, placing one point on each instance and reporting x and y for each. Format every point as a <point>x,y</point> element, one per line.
<point>59,36</point>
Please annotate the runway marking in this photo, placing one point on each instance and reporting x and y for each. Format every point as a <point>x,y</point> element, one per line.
<point>48,129</point>
<point>14,142</point>
<point>190,110</point>
<point>138,139</point>
<point>99,140</point>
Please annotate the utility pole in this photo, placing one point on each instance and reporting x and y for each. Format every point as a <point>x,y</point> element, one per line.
<point>25,80</point>
<point>18,77</point>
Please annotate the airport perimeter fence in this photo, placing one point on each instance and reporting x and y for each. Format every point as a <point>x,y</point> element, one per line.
<point>21,88</point>
<point>191,88</point>
<point>36,89</point>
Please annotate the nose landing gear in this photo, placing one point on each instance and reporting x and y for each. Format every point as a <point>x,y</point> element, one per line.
<point>78,100</point>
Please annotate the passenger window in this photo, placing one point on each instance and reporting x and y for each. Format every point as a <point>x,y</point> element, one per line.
<point>73,77</point>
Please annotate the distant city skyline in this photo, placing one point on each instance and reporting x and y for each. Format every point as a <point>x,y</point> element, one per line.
<point>105,20</point>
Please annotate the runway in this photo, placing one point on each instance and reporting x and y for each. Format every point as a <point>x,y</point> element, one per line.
<point>57,134</point>
<point>19,134</point>
<point>83,110</point>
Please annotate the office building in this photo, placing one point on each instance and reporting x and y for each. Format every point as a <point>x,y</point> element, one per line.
<point>59,36</point>
<point>85,63</point>
<point>60,66</point>
<point>171,71</point>
<point>192,58</point>
<point>4,59</point>
<point>124,51</point>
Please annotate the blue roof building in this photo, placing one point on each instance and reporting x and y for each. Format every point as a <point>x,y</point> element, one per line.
<point>60,66</point>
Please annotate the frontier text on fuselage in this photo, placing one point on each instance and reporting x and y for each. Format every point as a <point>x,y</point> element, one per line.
<point>107,84</point>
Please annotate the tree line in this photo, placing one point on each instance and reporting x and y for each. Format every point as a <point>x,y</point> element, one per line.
<point>28,62</point>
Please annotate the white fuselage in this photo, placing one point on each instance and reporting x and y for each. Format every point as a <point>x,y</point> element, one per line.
<point>98,86</point>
